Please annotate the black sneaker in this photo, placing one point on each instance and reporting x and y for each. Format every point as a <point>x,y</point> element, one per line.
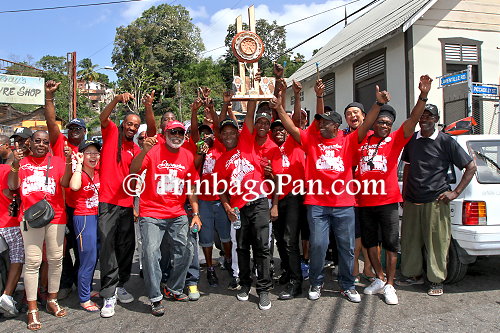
<point>242,295</point>
<point>157,309</point>
<point>176,297</point>
<point>291,290</point>
<point>234,284</point>
<point>264,301</point>
<point>213,281</point>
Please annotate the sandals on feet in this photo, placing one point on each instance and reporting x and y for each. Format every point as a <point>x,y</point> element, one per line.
<point>368,278</point>
<point>436,289</point>
<point>90,307</point>
<point>34,324</point>
<point>60,312</point>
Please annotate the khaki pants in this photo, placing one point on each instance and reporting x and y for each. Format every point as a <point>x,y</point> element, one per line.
<point>53,235</point>
<point>425,226</point>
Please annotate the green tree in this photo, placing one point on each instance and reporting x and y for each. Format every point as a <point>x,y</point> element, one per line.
<point>52,63</point>
<point>151,51</point>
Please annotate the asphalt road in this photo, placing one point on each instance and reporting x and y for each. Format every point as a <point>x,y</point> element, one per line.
<point>472,305</point>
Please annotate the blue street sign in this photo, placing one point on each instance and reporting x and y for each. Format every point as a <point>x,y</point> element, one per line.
<point>484,90</point>
<point>453,79</point>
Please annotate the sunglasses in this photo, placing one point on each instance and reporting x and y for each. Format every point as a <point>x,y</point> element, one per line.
<point>40,141</point>
<point>76,129</point>
<point>179,132</point>
<point>386,123</point>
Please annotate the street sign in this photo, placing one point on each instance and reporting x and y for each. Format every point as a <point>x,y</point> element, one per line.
<point>454,78</point>
<point>484,89</point>
<point>22,89</point>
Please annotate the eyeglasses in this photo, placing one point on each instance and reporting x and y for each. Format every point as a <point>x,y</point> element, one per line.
<point>40,141</point>
<point>76,129</point>
<point>383,122</point>
<point>88,153</point>
<point>179,132</point>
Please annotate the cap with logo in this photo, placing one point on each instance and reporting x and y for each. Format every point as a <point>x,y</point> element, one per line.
<point>175,124</point>
<point>23,132</point>
<point>432,109</point>
<point>78,122</point>
<point>262,115</point>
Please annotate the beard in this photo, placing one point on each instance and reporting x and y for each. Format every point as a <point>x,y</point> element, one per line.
<point>173,145</point>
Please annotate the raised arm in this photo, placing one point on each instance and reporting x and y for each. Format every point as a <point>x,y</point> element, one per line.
<point>424,86</point>
<point>76,180</point>
<point>285,119</point>
<point>319,89</point>
<point>280,90</point>
<point>104,116</point>
<point>382,97</point>
<point>68,171</point>
<point>297,107</point>
<point>249,117</point>
<point>13,179</point>
<point>149,114</point>
<point>195,106</point>
<point>50,111</point>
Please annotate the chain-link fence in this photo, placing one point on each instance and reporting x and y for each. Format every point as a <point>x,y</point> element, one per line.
<point>486,112</point>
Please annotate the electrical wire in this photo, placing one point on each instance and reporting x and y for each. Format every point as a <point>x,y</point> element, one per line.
<point>69,6</point>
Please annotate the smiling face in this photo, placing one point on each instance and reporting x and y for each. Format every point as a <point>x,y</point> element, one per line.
<point>262,126</point>
<point>229,136</point>
<point>76,134</point>
<point>91,156</point>
<point>278,134</point>
<point>328,128</point>
<point>131,126</point>
<point>354,117</point>
<point>175,137</point>
<point>382,127</point>
<point>39,144</point>
<point>428,122</point>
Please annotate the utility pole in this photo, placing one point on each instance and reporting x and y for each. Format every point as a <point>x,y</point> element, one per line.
<point>179,96</point>
<point>71,63</point>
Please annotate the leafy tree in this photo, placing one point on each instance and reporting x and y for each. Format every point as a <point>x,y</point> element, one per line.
<point>52,63</point>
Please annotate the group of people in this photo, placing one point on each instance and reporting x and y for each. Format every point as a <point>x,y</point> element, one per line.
<point>272,180</point>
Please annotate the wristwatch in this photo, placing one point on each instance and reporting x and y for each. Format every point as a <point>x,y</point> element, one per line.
<point>196,214</point>
<point>379,104</point>
<point>422,99</point>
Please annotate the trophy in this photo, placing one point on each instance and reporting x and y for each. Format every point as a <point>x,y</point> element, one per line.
<point>248,48</point>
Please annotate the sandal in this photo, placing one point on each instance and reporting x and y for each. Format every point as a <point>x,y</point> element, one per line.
<point>60,312</point>
<point>436,289</point>
<point>34,324</point>
<point>368,278</point>
<point>90,307</point>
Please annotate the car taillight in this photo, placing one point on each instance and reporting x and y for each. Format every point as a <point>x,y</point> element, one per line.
<point>474,213</point>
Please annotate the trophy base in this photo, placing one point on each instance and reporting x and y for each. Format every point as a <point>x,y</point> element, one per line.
<point>266,97</point>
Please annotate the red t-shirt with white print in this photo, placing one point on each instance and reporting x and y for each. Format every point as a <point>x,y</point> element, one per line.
<point>86,199</point>
<point>165,190</point>
<point>270,151</point>
<point>6,221</point>
<point>241,167</point>
<point>207,171</point>
<point>58,150</point>
<point>329,161</point>
<point>32,173</point>
<point>293,161</point>
<point>383,155</point>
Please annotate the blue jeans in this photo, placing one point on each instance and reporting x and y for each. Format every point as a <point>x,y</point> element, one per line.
<point>175,232</point>
<point>214,218</point>
<point>341,221</point>
<point>86,238</point>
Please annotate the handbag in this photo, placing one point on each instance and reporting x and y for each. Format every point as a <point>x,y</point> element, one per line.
<point>41,213</point>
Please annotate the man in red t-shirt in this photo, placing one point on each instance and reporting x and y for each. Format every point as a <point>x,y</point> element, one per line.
<point>329,169</point>
<point>241,169</point>
<point>116,216</point>
<point>378,213</point>
<point>170,176</point>
<point>76,134</point>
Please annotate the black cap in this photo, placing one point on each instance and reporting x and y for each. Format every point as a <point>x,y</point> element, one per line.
<point>276,123</point>
<point>262,104</point>
<point>432,109</point>
<point>87,143</point>
<point>387,111</point>
<point>263,115</point>
<point>78,122</point>
<point>228,121</point>
<point>23,132</point>
<point>205,126</point>
<point>355,105</point>
<point>327,108</point>
<point>332,116</point>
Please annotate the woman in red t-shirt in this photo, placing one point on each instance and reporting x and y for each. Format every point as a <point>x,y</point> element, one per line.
<point>84,186</point>
<point>29,174</point>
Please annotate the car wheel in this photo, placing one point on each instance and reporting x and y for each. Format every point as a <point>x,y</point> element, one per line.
<point>456,269</point>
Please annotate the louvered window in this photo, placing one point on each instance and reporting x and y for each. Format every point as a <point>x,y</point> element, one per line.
<point>369,68</point>
<point>292,98</point>
<point>461,53</point>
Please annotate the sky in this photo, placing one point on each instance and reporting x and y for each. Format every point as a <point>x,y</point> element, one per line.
<point>90,31</point>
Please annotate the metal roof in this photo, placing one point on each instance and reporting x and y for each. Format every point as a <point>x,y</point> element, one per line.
<point>382,20</point>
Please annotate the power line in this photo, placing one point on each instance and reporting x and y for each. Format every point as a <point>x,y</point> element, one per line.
<point>69,6</point>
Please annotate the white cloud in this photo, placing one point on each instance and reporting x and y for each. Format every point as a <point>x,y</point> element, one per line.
<point>201,12</point>
<point>135,9</point>
<point>214,32</point>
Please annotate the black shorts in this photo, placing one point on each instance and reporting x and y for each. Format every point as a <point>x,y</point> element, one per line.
<point>304,225</point>
<point>383,218</point>
<point>357,226</point>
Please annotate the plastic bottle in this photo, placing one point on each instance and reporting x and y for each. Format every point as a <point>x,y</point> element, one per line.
<point>237,223</point>
<point>14,207</point>
<point>194,228</point>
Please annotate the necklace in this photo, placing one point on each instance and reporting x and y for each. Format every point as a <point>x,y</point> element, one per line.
<point>370,160</point>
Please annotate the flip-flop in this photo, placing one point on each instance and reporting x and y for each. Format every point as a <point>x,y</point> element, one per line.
<point>436,289</point>
<point>368,278</point>
<point>92,307</point>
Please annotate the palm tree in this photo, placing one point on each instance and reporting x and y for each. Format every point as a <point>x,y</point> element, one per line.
<point>87,74</point>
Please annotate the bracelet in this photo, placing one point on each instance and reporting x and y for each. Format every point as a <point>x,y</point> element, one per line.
<point>49,99</point>
<point>379,104</point>
<point>422,99</point>
<point>319,96</point>
<point>14,169</point>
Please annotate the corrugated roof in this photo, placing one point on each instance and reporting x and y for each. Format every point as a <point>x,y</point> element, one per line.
<point>380,21</point>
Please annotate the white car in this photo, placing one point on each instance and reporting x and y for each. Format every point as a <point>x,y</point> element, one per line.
<point>475,214</point>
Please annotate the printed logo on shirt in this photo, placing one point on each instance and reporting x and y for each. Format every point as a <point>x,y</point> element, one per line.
<point>36,181</point>
<point>285,162</point>
<point>242,167</point>
<point>208,166</point>
<point>93,201</point>
<point>170,182</point>
<point>378,162</point>
<point>327,160</point>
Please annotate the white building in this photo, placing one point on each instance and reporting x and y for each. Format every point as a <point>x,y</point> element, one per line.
<point>395,42</point>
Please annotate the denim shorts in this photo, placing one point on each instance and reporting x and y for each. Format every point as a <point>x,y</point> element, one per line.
<point>213,218</point>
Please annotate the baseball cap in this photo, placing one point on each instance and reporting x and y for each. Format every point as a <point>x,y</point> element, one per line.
<point>332,116</point>
<point>205,126</point>
<point>355,105</point>
<point>23,132</point>
<point>78,122</point>
<point>276,123</point>
<point>228,121</point>
<point>263,115</point>
<point>175,124</point>
<point>432,109</point>
<point>87,143</point>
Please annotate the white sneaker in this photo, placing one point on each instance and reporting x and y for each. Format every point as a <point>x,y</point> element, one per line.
<point>352,295</point>
<point>8,306</point>
<point>390,295</point>
<point>108,309</point>
<point>314,293</point>
<point>376,287</point>
<point>124,296</point>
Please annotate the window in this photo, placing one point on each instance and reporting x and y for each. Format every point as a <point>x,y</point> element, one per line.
<point>486,156</point>
<point>292,98</point>
<point>368,72</point>
<point>329,96</point>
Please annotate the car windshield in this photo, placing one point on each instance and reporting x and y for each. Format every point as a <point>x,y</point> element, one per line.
<point>486,154</point>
